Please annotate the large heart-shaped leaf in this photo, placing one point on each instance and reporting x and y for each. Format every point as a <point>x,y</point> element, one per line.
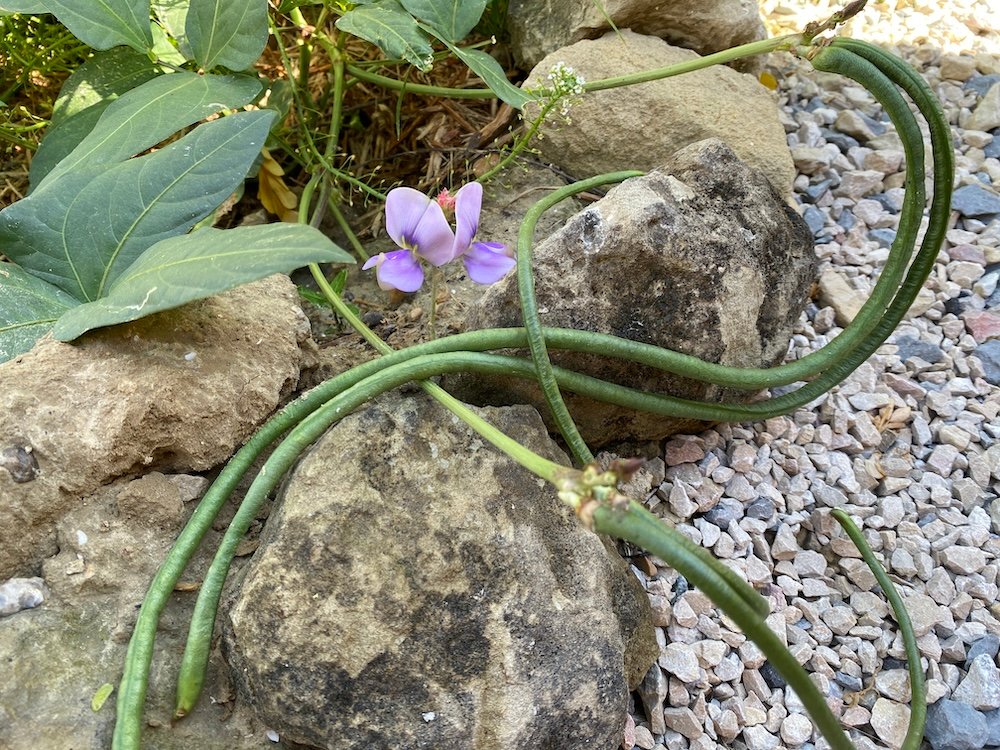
<point>452,19</point>
<point>386,25</point>
<point>102,24</point>
<point>82,100</point>
<point>231,33</point>
<point>28,309</point>
<point>157,109</point>
<point>183,269</point>
<point>82,231</point>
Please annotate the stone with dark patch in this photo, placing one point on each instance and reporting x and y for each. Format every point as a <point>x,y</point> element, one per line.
<point>177,391</point>
<point>701,256</point>
<point>414,588</point>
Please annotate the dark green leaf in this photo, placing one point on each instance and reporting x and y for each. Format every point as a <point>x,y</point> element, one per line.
<point>157,109</point>
<point>393,30</point>
<point>452,19</point>
<point>28,309</point>
<point>82,231</point>
<point>195,266</point>
<point>231,33</point>
<point>100,23</point>
<point>83,98</point>
<point>490,71</point>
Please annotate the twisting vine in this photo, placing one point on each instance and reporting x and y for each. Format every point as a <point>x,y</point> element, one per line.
<point>591,493</point>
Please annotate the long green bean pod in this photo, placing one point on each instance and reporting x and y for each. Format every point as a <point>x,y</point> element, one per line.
<point>918,691</point>
<point>330,401</point>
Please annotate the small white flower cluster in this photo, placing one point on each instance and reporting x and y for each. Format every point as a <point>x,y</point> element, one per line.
<point>565,85</point>
<point>565,80</point>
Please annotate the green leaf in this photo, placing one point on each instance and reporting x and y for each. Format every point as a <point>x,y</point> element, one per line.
<point>164,49</point>
<point>25,6</point>
<point>100,23</point>
<point>157,109</point>
<point>172,14</point>
<point>28,309</point>
<point>231,33</point>
<point>183,269</point>
<point>489,70</point>
<point>82,100</point>
<point>82,231</point>
<point>394,31</point>
<point>452,19</point>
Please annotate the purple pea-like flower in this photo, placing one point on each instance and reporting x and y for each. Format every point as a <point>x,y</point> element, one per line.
<point>485,262</point>
<point>418,226</point>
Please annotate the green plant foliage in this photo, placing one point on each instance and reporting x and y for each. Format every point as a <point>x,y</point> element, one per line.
<point>197,265</point>
<point>100,23</point>
<point>83,230</point>
<point>157,109</point>
<point>82,100</point>
<point>452,19</point>
<point>28,309</point>
<point>230,33</point>
<point>493,76</point>
<point>171,15</point>
<point>389,27</point>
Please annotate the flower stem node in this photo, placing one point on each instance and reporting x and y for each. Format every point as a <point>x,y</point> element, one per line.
<point>588,489</point>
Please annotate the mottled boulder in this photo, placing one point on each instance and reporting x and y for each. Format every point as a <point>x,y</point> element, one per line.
<point>415,588</point>
<point>639,127</point>
<point>57,654</point>
<point>702,257</point>
<point>704,26</point>
<point>176,391</point>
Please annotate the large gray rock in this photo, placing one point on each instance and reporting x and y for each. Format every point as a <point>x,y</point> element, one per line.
<point>702,257</point>
<point>176,391</point>
<point>639,127</point>
<point>57,654</point>
<point>417,589</point>
<point>704,26</point>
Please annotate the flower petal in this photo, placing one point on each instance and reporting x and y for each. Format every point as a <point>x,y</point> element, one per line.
<point>398,270</point>
<point>415,222</point>
<point>468,202</point>
<point>488,262</point>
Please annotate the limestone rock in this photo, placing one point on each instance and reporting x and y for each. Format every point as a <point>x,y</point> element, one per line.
<point>639,127</point>
<point>703,257</point>
<point>704,26</point>
<point>59,653</point>
<point>460,605</point>
<point>133,397</point>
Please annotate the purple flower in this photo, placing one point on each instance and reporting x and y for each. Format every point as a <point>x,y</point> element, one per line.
<point>419,228</point>
<point>488,262</point>
<point>485,262</point>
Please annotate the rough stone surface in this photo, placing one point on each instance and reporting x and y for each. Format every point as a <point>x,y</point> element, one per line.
<point>445,579</point>
<point>981,686</point>
<point>133,397</point>
<point>952,725</point>
<point>21,593</point>
<point>604,132</point>
<point>703,257</point>
<point>704,26</point>
<point>59,653</point>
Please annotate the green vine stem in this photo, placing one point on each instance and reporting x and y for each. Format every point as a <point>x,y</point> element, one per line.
<point>918,691</point>
<point>425,361</point>
<point>532,321</point>
<point>642,528</point>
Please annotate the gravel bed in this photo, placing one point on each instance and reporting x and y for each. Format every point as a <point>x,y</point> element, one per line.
<point>909,444</point>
